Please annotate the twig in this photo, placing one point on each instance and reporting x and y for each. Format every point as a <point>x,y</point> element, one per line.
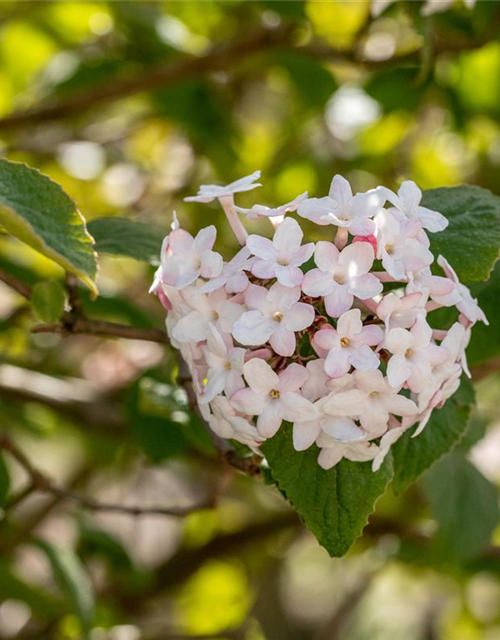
<point>16,284</point>
<point>42,483</point>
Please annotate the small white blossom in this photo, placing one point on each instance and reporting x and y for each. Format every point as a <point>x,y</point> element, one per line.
<point>211,192</point>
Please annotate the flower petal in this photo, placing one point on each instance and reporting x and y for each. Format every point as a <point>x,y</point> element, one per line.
<point>260,377</point>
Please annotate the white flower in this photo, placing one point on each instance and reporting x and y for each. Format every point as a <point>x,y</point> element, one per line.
<point>233,276</point>
<point>211,309</point>
<point>465,303</point>
<point>184,258</point>
<point>281,257</point>
<point>225,366</point>
<point>261,211</point>
<point>226,423</point>
<point>342,275</point>
<point>407,206</point>
<point>413,355</point>
<point>342,209</point>
<point>381,400</point>
<point>315,386</point>
<point>401,311</point>
<point>273,397</point>
<point>386,443</point>
<point>401,245</point>
<point>332,451</point>
<point>349,344</point>
<point>274,316</point>
<point>437,6</point>
<point>210,192</point>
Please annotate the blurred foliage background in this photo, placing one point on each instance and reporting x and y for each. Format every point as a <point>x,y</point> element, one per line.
<point>130,106</point>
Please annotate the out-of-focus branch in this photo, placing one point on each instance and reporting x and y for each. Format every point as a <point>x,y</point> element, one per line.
<point>16,284</point>
<point>42,483</point>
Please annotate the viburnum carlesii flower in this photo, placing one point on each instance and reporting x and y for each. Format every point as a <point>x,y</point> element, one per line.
<point>226,423</point>
<point>465,303</point>
<point>204,310</point>
<point>274,315</point>
<point>273,397</point>
<point>441,290</point>
<point>341,276</point>
<point>407,205</point>
<point>401,311</point>
<point>225,365</point>
<point>184,258</point>
<point>386,442</point>
<point>282,256</point>
<point>315,386</point>
<point>401,245</point>
<point>414,355</point>
<point>261,211</point>
<point>211,192</point>
<point>349,344</point>
<point>233,276</point>
<point>342,209</point>
<point>332,451</point>
<point>381,400</point>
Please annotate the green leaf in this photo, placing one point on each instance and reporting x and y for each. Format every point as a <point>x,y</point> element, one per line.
<point>485,339</point>
<point>124,237</point>
<point>4,481</point>
<point>471,242</point>
<point>464,504</point>
<point>13,587</point>
<point>48,300</point>
<point>314,83</point>
<point>446,428</point>
<point>73,581</point>
<point>37,211</point>
<point>333,504</point>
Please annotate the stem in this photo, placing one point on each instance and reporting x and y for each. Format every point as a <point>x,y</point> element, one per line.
<point>341,238</point>
<point>227,203</point>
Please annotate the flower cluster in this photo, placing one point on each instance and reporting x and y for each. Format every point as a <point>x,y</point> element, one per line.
<point>333,337</point>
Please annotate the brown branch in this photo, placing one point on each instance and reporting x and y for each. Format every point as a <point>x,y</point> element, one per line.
<point>219,57</point>
<point>16,284</point>
<point>43,484</point>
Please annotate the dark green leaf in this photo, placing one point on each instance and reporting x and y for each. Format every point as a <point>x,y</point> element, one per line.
<point>73,581</point>
<point>471,241</point>
<point>465,505</point>
<point>447,426</point>
<point>313,82</point>
<point>124,237</point>
<point>40,602</point>
<point>48,299</point>
<point>485,339</point>
<point>38,212</point>
<point>333,504</point>
<point>396,88</point>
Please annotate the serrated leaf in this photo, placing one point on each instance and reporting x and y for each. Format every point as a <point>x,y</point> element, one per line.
<point>333,504</point>
<point>124,237</point>
<point>38,212</point>
<point>464,504</point>
<point>447,426</point>
<point>471,242</point>
<point>47,299</point>
<point>4,481</point>
<point>73,581</point>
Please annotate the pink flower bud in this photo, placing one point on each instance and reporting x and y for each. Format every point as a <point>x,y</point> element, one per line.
<point>371,239</point>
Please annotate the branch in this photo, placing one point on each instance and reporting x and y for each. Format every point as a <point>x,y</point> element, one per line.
<point>43,484</point>
<point>19,286</point>
<point>219,57</point>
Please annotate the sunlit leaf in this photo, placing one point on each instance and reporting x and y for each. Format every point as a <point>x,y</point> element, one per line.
<point>47,299</point>
<point>124,237</point>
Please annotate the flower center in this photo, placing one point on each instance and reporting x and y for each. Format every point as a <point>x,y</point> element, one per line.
<point>278,316</point>
<point>389,249</point>
<point>283,262</point>
<point>408,353</point>
<point>274,393</point>
<point>197,264</point>
<point>228,366</point>
<point>344,342</point>
<point>215,315</point>
<point>339,279</point>
<point>374,394</point>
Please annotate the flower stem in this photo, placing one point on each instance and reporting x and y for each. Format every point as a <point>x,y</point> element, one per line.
<point>227,203</point>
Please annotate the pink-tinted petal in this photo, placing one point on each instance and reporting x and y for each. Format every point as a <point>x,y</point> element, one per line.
<point>211,264</point>
<point>372,335</point>
<point>260,376</point>
<point>338,301</point>
<point>305,433</point>
<point>342,429</point>
<point>328,458</point>
<point>205,239</point>
<point>326,256</point>
<point>264,269</point>
<point>288,237</point>
<point>302,255</point>
<point>362,227</point>
<point>180,241</point>
<point>357,258</point>
<point>283,297</point>
<point>289,276</point>
<point>255,296</point>
<point>248,402</point>
<point>421,331</point>
<point>293,377</point>
<point>317,283</point>
<point>365,286</point>
<point>283,341</point>
<point>295,408</point>
<point>326,338</point>
<point>337,363</point>
<point>315,208</point>
<point>397,370</point>
<point>400,406</point>
<point>262,247</point>
<point>252,328</point>
<point>350,323</point>
<point>270,419</point>
<point>364,359</point>
<point>299,317</point>
<point>399,340</point>
<point>190,328</point>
